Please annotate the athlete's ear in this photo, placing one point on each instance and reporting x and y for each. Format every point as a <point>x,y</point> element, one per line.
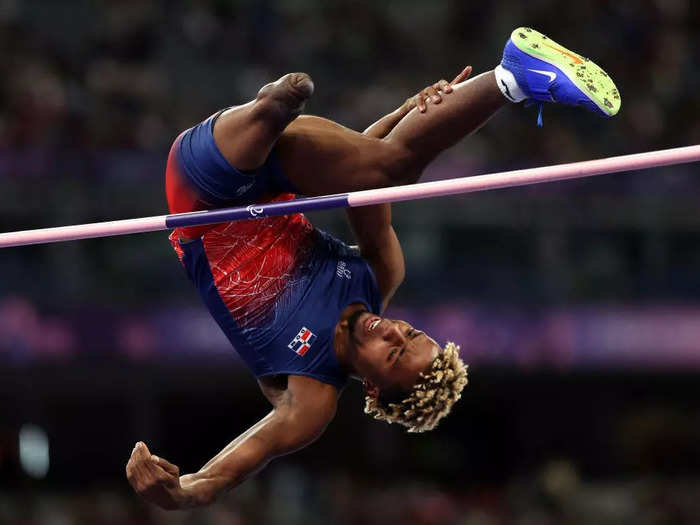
<point>371,389</point>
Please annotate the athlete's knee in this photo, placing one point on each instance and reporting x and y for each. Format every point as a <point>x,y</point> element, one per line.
<point>284,98</point>
<point>401,164</point>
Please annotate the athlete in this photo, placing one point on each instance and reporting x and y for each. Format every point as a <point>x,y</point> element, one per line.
<point>304,310</point>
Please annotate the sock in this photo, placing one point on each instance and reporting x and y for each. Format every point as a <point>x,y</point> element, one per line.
<point>508,86</point>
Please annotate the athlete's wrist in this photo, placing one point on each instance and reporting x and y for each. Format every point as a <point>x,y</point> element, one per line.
<point>194,492</point>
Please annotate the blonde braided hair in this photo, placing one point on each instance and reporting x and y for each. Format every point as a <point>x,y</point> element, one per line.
<point>430,399</point>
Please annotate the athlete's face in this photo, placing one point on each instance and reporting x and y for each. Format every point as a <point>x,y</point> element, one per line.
<point>390,354</point>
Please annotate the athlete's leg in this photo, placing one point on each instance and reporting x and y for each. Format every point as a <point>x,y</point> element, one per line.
<point>319,156</point>
<point>197,178</point>
<point>246,134</point>
<point>461,113</point>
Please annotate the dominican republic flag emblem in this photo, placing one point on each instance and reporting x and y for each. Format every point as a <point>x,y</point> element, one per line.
<point>302,342</point>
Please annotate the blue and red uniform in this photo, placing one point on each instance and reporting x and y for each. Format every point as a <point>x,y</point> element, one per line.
<point>276,286</point>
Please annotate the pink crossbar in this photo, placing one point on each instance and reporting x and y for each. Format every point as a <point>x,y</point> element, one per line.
<point>507,179</point>
<point>574,170</point>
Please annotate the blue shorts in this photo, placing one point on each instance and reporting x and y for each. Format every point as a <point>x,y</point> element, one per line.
<point>219,184</point>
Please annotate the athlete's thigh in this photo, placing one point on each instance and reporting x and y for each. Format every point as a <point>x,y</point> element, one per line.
<point>245,136</point>
<point>320,157</point>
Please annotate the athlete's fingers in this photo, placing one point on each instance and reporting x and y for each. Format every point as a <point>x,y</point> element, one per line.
<point>166,465</point>
<point>419,102</point>
<point>140,464</point>
<point>140,451</point>
<point>464,75</point>
<point>408,106</point>
<point>161,476</point>
<point>433,94</point>
<point>443,85</point>
<point>139,468</point>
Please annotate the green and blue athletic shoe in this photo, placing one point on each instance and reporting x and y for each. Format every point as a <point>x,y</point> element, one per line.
<point>548,72</point>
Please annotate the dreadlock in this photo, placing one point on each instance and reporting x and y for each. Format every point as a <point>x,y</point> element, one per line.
<point>430,399</point>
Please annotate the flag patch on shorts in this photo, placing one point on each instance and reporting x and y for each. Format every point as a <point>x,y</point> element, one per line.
<point>303,341</point>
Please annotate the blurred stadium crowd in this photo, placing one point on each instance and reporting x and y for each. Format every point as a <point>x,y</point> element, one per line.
<point>125,74</point>
<point>581,275</point>
<point>292,498</point>
<point>94,93</point>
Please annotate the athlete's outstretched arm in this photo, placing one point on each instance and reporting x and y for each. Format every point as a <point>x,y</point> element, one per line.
<point>299,418</point>
<point>372,226</point>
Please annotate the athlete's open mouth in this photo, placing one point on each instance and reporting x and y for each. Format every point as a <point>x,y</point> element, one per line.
<point>371,323</point>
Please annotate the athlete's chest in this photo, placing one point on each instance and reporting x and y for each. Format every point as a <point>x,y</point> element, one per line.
<point>304,327</point>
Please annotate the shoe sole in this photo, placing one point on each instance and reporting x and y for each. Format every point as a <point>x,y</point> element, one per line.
<point>587,76</point>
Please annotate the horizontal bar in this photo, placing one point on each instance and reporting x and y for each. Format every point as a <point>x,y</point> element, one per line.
<point>82,231</point>
<point>257,211</point>
<point>509,179</point>
<point>424,190</point>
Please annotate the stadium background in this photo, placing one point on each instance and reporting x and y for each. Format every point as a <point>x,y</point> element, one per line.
<point>576,304</point>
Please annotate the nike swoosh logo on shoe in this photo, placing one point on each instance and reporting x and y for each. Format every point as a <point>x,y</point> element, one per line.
<point>551,74</point>
<point>505,86</point>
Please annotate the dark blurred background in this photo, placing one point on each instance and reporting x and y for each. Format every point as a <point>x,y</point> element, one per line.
<point>576,304</point>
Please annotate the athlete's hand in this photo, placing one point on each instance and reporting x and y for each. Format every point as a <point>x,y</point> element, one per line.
<point>435,92</point>
<point>153,478</point>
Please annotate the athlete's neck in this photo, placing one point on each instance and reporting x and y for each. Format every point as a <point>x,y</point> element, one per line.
<point>342,343</point>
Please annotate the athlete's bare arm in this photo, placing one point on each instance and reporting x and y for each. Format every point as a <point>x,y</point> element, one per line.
<point>372,226</point>
<point>301,413</point>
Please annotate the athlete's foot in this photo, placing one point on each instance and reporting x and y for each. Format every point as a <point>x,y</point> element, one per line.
<point>290,94</point>
<point>537,68</point>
